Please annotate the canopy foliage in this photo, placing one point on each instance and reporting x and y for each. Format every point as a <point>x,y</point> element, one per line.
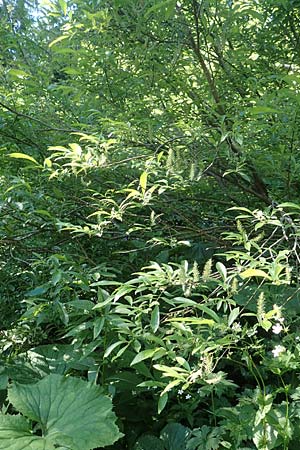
<point>150,215</point>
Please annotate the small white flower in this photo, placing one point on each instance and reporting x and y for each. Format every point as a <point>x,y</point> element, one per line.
<point>278,350</point>
<point>237,327</point>
<point>180,392</point>
<point>277,328</point>
<point>188,396</point>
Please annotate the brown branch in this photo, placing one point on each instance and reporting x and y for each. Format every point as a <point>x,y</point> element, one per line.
<point>258,187</point>
<point>28,143</point>
<point>255,190</point>
<point>207,75</point>
<point>34,119</point>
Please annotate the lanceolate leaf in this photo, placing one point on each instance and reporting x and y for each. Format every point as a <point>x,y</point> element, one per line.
<point>145,354</point>
<point>249,273</point>
<point>70,412</point>
<point>23,156</point>
<point>143,181</point>
<point>233,315</point>
<point>155,319</point>
<point>222,270</point>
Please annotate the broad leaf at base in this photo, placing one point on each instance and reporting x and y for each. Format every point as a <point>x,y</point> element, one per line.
<point>71,412</point>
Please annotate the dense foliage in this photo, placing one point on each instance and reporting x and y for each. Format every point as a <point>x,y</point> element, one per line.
<point>149,224</point>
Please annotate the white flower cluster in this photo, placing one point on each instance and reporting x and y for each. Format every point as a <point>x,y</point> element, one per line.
<point>278,327</point>
<point>278,350</point>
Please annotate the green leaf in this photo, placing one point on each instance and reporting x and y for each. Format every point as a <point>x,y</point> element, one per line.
<point>263,110</point>
<point>123,290</point>
<point>58,358</point>
<point>170,386</point>
<point>288,205</point>
<point>171,372</point>
<point>175,436</point>
<point>222,270</point>
<point>155,319</point>
<point>60,38</point>
<point>143,181</point>
<point>233,315</point>
<point>72,71</point>
<point>15,434</point>
<point>165,7</point>
<point>210,313</point>
<point>70,411</point>
<point>39,290</point>
<point>63,5</point>
<point>98,326</point>
<point>266,324</point>
<point>111,348</point>
<point>18,74</point>
<point>265,436</point>
<point>145,354</point>
<point>3,381</point>
<point>182,301</point>
<point>148,442</point>
<point>249,273</point>
<point>193,320</point>
<point>163,400</point>
<point>23,156</point>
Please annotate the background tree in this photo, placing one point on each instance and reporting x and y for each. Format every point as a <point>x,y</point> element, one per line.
<point>149,217</point>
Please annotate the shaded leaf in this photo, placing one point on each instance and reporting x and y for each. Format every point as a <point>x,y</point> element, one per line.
<point>149,442</point>
<point>163,400</point>
<point>145,354</point>
<point>70,411</point>
<point>174,436</point>
<point>155,319</point>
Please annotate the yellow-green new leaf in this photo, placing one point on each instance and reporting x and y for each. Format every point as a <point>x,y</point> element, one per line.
<point>60,38</point>
<point>18,74</point>
<point>63,5</point>
<point>193,320</point>
<point>23,156</point>
<point>249,273</point>
<point>143,181</point>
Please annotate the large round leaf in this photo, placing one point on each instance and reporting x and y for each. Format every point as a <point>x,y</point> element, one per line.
<point>15,434</point>
<point>71,412</point>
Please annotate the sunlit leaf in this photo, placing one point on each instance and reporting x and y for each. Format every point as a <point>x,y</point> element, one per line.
<point>263,110</point>
<point>249,273</point>
<point>23,156</point>
<point>58,39</point>
<point>143,181</point>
